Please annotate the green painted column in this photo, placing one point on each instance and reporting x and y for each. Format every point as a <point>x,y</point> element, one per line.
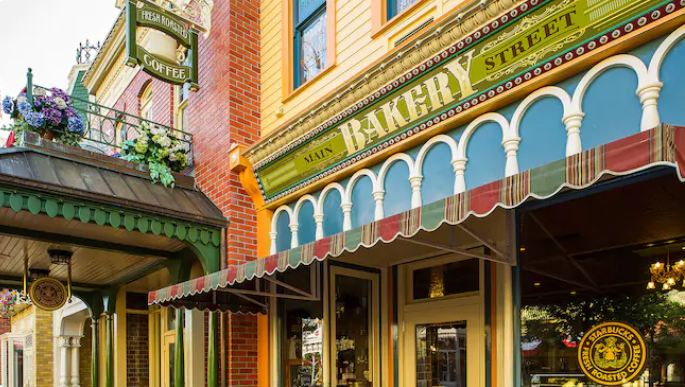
<point>109,350</point>
<point>95,352</point>
<point>213,351</point>
<point>179,357</point>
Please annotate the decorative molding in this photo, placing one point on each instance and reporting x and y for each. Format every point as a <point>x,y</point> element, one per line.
<point>260,154</point>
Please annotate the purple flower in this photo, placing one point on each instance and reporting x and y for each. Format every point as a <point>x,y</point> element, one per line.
<point>70,112</point>
<point>8,105</point>
<point>75,125</point>
<point>35,119</point>
<point>39,101</point>
<point>52,115</point>
<point>59,93</point>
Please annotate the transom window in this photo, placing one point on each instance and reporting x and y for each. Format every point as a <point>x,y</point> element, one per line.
<point>310,39</point>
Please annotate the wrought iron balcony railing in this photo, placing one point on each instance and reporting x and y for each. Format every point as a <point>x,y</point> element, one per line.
<point>107,128</point>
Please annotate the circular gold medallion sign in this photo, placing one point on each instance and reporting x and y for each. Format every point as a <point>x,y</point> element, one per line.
<point>48,294</point>
<point>612,353</point>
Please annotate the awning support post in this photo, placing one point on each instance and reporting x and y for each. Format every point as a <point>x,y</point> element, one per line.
<point>213,351</point>
<point>451,249</point>
<point>95,350</point>
<point>179,353</point>
<point>109,350</point>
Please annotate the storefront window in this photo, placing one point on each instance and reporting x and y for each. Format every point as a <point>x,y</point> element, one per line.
<point>574,333</point>
<point>353,331</point>
<point>18,363</point>
<point>441,355</point>
<point>302,326</point>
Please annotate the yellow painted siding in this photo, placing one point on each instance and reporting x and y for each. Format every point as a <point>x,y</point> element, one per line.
<point>356,49</point>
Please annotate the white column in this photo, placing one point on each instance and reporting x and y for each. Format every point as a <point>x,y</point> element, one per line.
<point>273,235</point>
<point>511,147</point>
<point>415,182</point>
<point>573,122</point>
<point>64,361</point>
<point>378,197</point>
<point>347,216</point>
<point>649,95</point>
<point>459,167</point>
<point>294,242</point>
<point>75,345</point>
<point>318,218</point>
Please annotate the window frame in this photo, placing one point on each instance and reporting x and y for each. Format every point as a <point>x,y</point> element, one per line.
<point>289,87</point>
<point>298,30</point>
<point>146,102</point>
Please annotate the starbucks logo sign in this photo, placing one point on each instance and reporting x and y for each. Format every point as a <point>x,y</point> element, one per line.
<point>612,353</point>
<point>48,294</point>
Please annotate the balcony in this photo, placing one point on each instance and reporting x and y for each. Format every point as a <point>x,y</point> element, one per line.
<point>106,129</point>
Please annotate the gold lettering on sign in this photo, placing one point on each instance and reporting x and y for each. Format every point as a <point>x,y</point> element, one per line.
<point>429,95</point>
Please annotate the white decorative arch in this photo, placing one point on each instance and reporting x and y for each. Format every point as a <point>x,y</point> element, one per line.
<point>295,219</point>
<point>274,221</point>
<point>346,204</point>
<point>319,214</point>
<point>421,156</point>
<point>572,119</point>
<point>662,51</point>
<point>510,143</point>
<point>471,128</point>
<point>647,89</point>
<point>414,178</point>
<point>355,178</point>
<point>454,147</point>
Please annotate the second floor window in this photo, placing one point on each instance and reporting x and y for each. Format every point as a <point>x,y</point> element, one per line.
<point>395,7</point>
<point>146,103</point>
<point>310,39</point>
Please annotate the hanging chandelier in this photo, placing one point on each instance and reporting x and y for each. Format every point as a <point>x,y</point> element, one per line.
<point>666,274</point>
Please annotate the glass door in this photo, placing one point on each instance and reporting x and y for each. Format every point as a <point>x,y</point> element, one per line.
<point>442,342</point>
<point>355,325</point>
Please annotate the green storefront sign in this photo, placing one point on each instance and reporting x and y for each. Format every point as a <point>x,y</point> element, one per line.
<point>160,20</point>
<point>495,59</point>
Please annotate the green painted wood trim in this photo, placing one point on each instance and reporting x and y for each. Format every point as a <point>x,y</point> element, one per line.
<point>179,352</point>
<point>109,350</point>
<point>205,239</point>
<point>95,351</point>
<point>213,351</point>
<point>102,215</point>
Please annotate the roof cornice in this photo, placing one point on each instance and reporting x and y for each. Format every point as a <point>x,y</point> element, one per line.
<point>107,56</point>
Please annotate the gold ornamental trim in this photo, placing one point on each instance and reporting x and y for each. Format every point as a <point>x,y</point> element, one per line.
<point>612,353</point>
<point>48,294</point>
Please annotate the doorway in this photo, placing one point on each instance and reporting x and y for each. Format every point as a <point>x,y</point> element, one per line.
<point>441,331</point>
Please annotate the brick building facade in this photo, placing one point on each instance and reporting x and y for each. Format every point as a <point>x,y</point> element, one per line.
<point>223,112</point>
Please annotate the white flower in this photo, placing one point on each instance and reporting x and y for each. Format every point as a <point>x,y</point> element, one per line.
<point>164,141</point>
<point>172,156</point>
<point>142,137</point>
<point>158,131</point>
<point>59,102</point>
<point>21,99</point>
<point>40,91</point>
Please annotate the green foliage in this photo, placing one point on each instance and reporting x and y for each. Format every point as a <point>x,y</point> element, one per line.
<point>160,150</point>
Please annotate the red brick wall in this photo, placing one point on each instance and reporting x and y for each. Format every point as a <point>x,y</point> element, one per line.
<point>137,350</point>
<point>224,111</point>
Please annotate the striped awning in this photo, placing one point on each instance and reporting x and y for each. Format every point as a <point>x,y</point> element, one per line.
<point>663,146</point>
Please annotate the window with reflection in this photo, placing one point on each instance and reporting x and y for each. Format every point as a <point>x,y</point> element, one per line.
<point>302,328</point>
<point>446,280</point>
<point>355,326</point>
<point>310,39</point>
<point>441,355</point>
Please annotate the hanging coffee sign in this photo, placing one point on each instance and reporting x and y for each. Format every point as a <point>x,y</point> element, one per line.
<point>151,16</point>
<point>535,37</point>
<point>48,294</point>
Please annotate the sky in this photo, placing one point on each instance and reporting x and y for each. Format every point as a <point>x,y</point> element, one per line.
<point>44,35</point>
